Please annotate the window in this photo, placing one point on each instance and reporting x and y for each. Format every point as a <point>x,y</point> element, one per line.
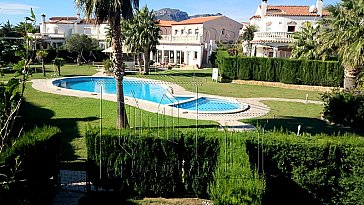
<point>182,31</point>
<point>291,28</point>
<point>189,31</point>
<point>195,55</point>
<point>175,32</point>
<point>223,31</point>
<point>196,31</point>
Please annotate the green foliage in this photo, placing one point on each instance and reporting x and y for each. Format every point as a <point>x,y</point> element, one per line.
<point>305,42</point>
<point>146,163</point>
<point>346,108</point>
<point>107,66</point>
<point>328,73</point>
<point>329,169</point>
<point>59,62</point>
<point>28,169</point>
<point>80,44</point>
<point>234,181</point>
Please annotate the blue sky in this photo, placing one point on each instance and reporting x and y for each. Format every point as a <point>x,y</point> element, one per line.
<point>239,10</point>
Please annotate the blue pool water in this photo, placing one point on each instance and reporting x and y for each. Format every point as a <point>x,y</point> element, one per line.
<point>145,90</point>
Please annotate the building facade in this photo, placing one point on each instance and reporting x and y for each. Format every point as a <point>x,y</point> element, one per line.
<point>191,42</point>
<point>54,32</point>
<point>276,24</point>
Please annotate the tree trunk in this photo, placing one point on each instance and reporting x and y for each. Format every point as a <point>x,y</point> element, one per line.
<point>43,68</point>
<point>118,70</point>
<point>140,62</point>
<point>350,77</point>
<point>59,70</point>
<point>146,61</point>
<point>79,59</point>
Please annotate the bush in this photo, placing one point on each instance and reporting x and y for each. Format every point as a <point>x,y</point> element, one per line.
<point>330,170</point>
<point>346,108</point>
<point>291,71</point>
<point>29,168</point>
<point>234,181</point>
<point>184,165</point>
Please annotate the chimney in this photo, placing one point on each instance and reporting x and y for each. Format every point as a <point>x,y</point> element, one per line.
<point>264,7</point>
<point>319,7</point>
<point>78,18</point>
<point>43,30</point>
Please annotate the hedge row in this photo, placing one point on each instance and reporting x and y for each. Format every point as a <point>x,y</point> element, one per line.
<point>291,71</point>
<point>150,165</point>
<point>329,170</point>
<point>29,168</point>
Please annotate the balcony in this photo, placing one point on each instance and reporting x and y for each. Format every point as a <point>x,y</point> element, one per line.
<point>44,36</point>
<point>273,37</point>
<point>181,39</point>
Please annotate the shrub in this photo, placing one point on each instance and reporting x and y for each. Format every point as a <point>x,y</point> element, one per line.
<point>342,107</point>
<point>328,169</point>
<point>234,181</point>
<point>292,71</point>
<point>29,168</point>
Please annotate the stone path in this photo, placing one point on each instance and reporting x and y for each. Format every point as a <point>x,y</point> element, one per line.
<point>72,187</point>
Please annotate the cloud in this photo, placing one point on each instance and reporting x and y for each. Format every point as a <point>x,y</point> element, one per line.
<point>15,9</point>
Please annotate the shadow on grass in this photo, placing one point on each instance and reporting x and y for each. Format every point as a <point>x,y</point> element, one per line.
<point>308,125</point>
<point>38,116</point>
<point>184,74</point>
<point>110,198</point>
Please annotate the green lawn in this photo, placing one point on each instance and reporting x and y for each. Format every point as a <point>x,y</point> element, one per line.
<point>68,70</point>
<point>187,78</point>
<point>288,115</point>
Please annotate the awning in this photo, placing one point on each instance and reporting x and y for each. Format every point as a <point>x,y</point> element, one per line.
<point>109,50</point>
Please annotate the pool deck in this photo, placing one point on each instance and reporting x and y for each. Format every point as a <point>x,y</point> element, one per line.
<point>229,121</point>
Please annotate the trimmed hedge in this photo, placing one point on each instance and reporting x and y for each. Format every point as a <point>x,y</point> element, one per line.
<point>291,71</point>
<point>330,170</point>
<point>35,154</point>
<point>151,165</point>
<point>234,181</point>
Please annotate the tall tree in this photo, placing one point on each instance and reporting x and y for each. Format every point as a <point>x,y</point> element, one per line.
<point>248,36</point>
<point>41,54</point>
<point>141,34</point>
<point>344,31</point>
<point>112,11</point>
<point>305,42</point>
<point>80,44</point>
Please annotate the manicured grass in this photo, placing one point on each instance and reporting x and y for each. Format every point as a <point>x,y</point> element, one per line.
<point>288,115</point>
<point>187,78</point>
<point>73,115</point>
<point>68,70</point>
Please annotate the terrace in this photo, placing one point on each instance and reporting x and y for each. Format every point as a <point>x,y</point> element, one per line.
<point>275,37</point>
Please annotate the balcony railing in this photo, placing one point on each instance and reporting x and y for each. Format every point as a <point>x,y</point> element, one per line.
<point>180,39</point>
<point>284,37</point>
<point>46,35</point>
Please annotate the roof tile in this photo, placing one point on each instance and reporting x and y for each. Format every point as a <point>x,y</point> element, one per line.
<point>197,20</point>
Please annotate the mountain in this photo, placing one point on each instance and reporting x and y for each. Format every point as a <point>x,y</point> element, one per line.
<point>177,15</point>
<point>170,14</point>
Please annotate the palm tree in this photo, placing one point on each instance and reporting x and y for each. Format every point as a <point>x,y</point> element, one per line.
<point>248,36</point>
<point>112,11</point>
<point>59,62</point>
<point>141,34</point>
<point>344,32</point>
<point>41,54</point>
<point>305,42</point>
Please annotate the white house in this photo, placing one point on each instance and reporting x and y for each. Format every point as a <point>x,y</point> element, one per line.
<point>191,42</point>
<point>276,24</point>
<point>57,29</point>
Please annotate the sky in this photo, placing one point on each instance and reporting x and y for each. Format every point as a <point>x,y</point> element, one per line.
<point>239,10</point>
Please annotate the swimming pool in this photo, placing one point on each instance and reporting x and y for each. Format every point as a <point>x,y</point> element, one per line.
<point>150,91</point>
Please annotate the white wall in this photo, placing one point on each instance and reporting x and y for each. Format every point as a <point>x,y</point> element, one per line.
<point>193,27</point>
<point>215,27</point>
<point>189,52</point>
<point>279,23</point>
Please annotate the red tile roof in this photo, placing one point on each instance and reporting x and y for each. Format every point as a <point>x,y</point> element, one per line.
<point>60,18</point>
<point>291,11</point>
<point>165,22</point>
<point>197,20</point>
